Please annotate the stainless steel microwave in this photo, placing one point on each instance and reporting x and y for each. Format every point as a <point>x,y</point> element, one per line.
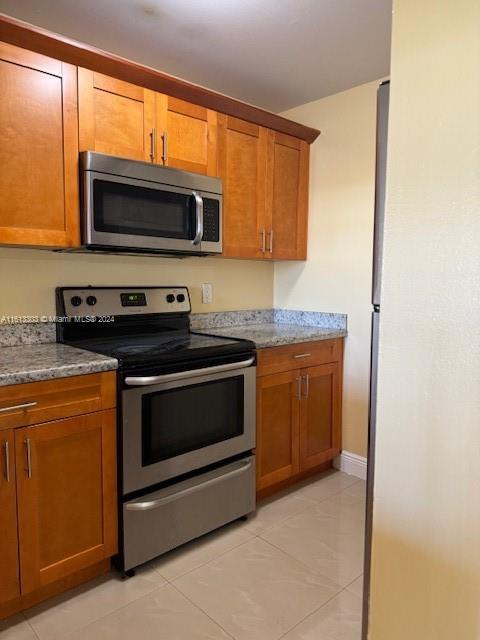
<point>138,207</point>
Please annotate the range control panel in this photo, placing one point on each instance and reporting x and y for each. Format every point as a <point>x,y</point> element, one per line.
<point>117,301</point>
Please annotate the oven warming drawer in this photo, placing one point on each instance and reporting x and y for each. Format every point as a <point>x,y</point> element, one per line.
<point>165,519</point>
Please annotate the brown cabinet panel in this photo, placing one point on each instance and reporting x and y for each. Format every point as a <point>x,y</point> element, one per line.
<point>320,414</point>
<point>242,149</point>
<point>299,411</point>
<point>9,570</point>
<point>298,356</point>
<point>186,135</point>
<point>277,428</point>
<point>287,195</point>
<point>115,117</point>
<point>66,488</point>
<point>55,399</point>
<point>38,150</point>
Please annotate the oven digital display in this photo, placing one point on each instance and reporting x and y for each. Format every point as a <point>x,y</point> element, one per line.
<point>133,299</point>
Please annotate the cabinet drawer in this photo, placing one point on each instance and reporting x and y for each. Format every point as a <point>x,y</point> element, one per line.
<point>35,402</point>
<point>298,356</point>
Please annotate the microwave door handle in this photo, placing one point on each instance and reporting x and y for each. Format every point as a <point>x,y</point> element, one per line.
<point>199,217</point>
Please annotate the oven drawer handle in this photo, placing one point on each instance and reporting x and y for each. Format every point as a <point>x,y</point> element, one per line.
<point>141,381</point>
<point>154,504</point>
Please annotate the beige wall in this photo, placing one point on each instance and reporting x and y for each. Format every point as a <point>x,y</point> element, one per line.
<point>28,278</point>
<point>426,551</point>
<point>337,275</point>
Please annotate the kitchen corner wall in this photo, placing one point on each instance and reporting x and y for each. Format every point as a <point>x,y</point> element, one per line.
<point>29,277</point>
<point>337,275</point>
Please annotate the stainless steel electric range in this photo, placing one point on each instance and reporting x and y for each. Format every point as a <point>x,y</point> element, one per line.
<point>186,409</point>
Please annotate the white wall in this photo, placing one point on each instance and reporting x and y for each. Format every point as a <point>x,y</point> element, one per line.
<point>337,275</point>
<point>426,551</point>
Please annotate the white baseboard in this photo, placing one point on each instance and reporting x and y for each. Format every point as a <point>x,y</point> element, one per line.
<point>352,464</point>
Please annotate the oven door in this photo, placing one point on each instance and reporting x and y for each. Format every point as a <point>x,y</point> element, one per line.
<point>142,215</point>
<point>186,423</point>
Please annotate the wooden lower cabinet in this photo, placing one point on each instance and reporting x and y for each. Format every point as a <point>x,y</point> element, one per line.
<point>9,570</point>
<point>277,428</point>
<point>320,414</point>
<point>58,491</point>
<point>66,484</point>
<point>298,415</point>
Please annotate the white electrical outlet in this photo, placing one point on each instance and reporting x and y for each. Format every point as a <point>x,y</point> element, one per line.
<point>207,293</point>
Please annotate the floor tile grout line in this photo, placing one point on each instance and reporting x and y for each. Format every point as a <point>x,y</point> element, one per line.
<point>172,580</point>
<point>306,508</point>
<point>69,633</point>
<point>304,564</point>
<point>203,611</point>
<point>313,612</point>
<point>33,630</point>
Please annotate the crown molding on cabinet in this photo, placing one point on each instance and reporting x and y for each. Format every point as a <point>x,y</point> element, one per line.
<point>40,40</point>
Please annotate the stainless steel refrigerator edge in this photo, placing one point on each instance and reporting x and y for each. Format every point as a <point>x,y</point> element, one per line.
<point>380,175</point>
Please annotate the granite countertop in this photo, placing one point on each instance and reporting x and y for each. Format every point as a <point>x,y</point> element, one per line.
<point>273,334</point>
<point>34,362</point>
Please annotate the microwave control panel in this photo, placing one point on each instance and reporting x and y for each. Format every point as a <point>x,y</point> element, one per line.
<point>211,220</point>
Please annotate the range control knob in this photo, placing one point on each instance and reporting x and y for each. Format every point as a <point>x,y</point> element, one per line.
<point>181,297</point>
<point>91,300</point>
<point>170,297</point>
<point>76,301</point>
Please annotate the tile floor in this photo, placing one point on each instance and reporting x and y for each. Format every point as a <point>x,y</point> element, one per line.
<point>292,571</point>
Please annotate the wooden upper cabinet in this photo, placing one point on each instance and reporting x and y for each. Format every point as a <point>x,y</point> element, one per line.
<point>242,149</point>
<point>66,492</point>
<point>115,117</point>
<point>186,135</point>
<point>277,428</point>
<point>320,417</point>
<point>287,196</point>
<point>9,571</point>
<point>38,150</point>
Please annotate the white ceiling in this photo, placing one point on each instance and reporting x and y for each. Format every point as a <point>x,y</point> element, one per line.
<point>275,54</point>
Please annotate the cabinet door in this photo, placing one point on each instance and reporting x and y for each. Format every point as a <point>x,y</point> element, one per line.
<point>186,135</point>
<point>66,491</point>
<point>287,196</point>
<point>9,574</point>
<point>38,150</point>
<point>242,148</point>
<point>277,427</point>
<point>115,117</point>
<point>320,414</point>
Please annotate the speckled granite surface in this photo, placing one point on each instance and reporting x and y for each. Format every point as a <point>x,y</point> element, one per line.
<point>30,363</point>
<point>220,319</point>
<point>274,334</point>
<point>12,335</point>
<point>230,318</point>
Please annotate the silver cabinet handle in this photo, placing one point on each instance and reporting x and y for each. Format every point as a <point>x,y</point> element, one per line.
<point>302,355</point>
<point>17,407</point>
<point>299,388</point>
<point>29,457</point>
<point>264,240</point>
<point>270,244</point>
<point>153,145</point>
<point>165,147</point>
<point>307,385</point>
<point>155,504</point>
<point>142,381</point>
<point>199,217</point>
<point>7,461</point>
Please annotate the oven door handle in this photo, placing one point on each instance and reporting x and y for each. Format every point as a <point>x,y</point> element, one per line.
<point>155,504</point>
<point>199,217</point>
<point>142,381</point>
